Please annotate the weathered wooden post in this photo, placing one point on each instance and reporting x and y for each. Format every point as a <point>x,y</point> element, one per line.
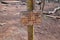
<point>30,26</point>
<point>30,5</point>
<point>30,19</point>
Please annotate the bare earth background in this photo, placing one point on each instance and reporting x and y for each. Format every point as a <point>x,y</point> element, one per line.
<point>11,28</point>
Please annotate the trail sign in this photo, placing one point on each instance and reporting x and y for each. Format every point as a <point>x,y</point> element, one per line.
<point>32,18</point>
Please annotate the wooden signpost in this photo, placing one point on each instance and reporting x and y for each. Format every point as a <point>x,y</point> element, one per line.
<point>31,19</point>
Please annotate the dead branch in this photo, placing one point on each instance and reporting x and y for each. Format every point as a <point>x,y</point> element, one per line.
<point>51,12</point>
<point>51,16</point>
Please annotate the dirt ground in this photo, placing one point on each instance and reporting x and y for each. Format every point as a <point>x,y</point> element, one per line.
<point>12,29</point>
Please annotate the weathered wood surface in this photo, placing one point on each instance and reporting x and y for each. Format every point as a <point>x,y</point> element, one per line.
<point>30,32</point>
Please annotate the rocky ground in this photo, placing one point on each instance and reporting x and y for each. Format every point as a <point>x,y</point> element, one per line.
<point>12,29</point>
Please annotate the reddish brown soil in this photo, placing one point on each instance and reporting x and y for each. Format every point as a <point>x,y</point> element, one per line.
<point>11,28</point>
